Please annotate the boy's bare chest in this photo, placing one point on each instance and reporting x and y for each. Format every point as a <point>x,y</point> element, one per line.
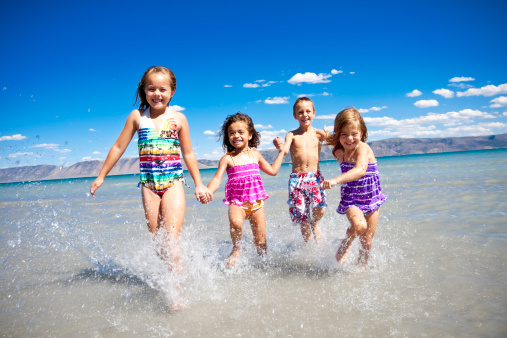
<point>305,141</point>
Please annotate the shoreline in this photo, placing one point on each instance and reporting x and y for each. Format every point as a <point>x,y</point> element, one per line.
<point>36,181</point>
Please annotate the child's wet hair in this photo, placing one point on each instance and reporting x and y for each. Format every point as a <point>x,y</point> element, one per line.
<point>224,132</point>
<point>141,95</point>
<point>348,116</point>
<point>301,99</point>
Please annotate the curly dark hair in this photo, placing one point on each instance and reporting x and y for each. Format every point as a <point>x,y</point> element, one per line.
<point>223,133</point>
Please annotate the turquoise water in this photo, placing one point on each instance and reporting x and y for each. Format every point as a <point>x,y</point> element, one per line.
<point>75,266</point>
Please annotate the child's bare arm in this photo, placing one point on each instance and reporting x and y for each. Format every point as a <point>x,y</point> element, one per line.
<point>284,147</point>
<point>271,170</point>
<point>117,150</point>
<point>217,179</point>
<point>201,191</point>
<point>353,174</point>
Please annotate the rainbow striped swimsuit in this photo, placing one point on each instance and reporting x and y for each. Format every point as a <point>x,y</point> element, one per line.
<point>159,155</point>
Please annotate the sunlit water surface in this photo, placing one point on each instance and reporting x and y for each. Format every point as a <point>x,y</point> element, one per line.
<point>75,266</point>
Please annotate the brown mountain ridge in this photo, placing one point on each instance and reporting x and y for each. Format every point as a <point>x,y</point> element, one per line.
<point>387,147</point>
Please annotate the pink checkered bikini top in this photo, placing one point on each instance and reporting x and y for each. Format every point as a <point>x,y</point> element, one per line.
<point>244,184</point>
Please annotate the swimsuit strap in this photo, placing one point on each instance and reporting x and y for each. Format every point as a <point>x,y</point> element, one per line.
<point>230,154</point>
<point>343,154</point>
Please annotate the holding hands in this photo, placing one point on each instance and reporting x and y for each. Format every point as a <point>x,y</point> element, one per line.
<point>328,184</point>
<point>202,194</point>
<point>278,143</point>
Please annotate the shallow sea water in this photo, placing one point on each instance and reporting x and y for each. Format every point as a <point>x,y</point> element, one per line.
<point>75,266</point>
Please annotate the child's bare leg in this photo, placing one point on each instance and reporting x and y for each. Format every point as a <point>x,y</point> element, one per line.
<point>236,219</point>
<point>317,216</point>
<point>258,224</point>
<point>367,237</point>
<point>306,231</point>
<point>167,212</point>
<point>357,228</point>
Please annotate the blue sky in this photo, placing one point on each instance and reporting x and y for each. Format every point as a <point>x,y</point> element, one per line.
<point>69,70</point>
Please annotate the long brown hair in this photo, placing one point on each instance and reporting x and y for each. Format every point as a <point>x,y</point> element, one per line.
<point>141,95</point>
<point>348,116</point>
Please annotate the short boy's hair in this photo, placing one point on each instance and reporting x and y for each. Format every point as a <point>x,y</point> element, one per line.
<point>301,99</point>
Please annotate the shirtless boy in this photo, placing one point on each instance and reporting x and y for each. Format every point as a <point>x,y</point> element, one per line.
<point>307,200</point>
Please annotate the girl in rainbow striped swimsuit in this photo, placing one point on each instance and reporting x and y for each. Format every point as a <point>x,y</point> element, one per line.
<point>163,136</point>
<point>244,191</point>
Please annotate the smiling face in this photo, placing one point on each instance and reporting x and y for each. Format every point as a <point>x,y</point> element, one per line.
<point>304,112</point>
<point>350,136</point>
<point>239,135</point>
<point>158,90</point>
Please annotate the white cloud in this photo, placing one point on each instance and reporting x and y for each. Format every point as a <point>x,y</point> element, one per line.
<point>259,80</point>
<point>305,95</point>
<point>462,116</point>
<point>309,78</point>
<point>16,137</point>
<point>426,103</point>
<point>227,86</point>
<point>251,85</point>
<point>364,110</point>
<point>414,93</point>
<point>20,154</point>
<point>260,126</point>
<point>461,79</point>
<point>88,158</point>
<point>352,73</point>
<point>177,108</point>
<point>267,137</point>
<point>334,71</point>
<point>209,132</point>
<point>326,94</point>
<point>499,102</point>
<point>460,85</point>
<point>51,146</point>
<point>325,117</point>
<point>96,153</point>
<point>444,92</point>
<point>267,84</point>
<point>489,90</point>
<point>277,100</point>
<point>215,154</point>
<point>62,150</point>
<point>91,129</point>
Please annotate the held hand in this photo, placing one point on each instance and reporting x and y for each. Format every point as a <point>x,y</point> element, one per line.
<point>327,184</point>
<point>278,143</point>
<point>202,194</point>
<point>95,185</point>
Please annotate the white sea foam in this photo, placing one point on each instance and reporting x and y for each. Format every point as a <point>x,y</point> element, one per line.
<point>73,265</point>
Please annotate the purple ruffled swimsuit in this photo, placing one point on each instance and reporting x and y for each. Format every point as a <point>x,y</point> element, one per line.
<point>364,193</point>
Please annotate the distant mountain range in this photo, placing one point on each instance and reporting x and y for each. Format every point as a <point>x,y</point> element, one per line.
<point>388,147</point>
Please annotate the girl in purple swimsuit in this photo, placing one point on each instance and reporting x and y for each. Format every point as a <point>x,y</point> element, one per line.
<point>361,195</point>
<point>244,191</point>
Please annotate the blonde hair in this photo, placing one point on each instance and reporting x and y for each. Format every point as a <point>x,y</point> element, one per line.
<point>141,95</point>
<point>301,99</point>
<point>347,117</point>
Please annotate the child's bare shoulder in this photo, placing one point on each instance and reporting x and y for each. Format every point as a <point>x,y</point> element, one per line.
<point>226,161</point>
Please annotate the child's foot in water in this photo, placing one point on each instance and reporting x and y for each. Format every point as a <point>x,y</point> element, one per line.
<point>232,259</point>
<point>317,234</point>
<point>343,251</point>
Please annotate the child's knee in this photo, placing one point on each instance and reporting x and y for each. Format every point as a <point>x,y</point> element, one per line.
<point>236,223</point>
<point>359,225</point>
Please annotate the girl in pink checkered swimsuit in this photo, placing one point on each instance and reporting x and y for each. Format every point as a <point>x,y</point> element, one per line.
<point>244,192</point>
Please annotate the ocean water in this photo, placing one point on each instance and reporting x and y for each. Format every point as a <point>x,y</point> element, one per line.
<point>75,266</point>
